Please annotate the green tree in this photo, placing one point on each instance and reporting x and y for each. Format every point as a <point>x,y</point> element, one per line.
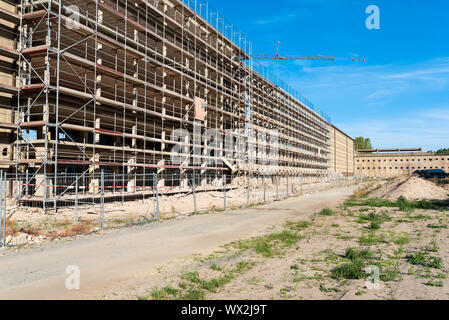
<point>361,143</point>
<point>442,152</point>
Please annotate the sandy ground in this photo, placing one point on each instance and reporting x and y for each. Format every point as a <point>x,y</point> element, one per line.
<point>285,250</point>
<point>268,267</point>
<point>413,188</point>
<point>34,226</point>
<point>113,263</point>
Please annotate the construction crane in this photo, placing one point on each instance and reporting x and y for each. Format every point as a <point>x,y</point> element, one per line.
<point>316,58</point>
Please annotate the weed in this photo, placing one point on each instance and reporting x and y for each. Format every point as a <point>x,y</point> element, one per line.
<point>372,239</point>
<point>425,261</point>
<point>298,226</point>
<point>402,203</point>
<point>328,290</point>
<point>390,273</point>
<point>263,248</point>
<point>192,276</point>
<point>164,293</point>
<point>401,240</point>
<point>433,247</point>
<point>436,226</point>
<point>417,259</point>
<point>193,294</point>
<point>352,270</point>
<point>375,226</point>
<point>215,267</point>
<point>269,286</point>
<point>358,254</point>
<point>326,212</point>
<point>437,283</point>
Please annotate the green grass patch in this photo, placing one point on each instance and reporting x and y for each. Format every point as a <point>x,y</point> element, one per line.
<point>351,270</point>
<point>326,212</point>
<point>372,239</point>
<point>436,226</point>
<point>358,254</point>
<point>272,244</point>
<point>435,283</point>
<point>164,293</point>
<point>424,260</point>
<point>298,226</point>
<point>402,203</point>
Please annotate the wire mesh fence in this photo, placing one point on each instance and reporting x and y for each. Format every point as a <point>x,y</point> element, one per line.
<point>98,200</point>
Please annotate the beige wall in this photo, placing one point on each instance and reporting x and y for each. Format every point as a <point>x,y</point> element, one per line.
<point>6,78</point>
<point>391,165</point>
<point>342,153</point>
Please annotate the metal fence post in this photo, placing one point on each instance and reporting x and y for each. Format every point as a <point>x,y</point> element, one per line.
<point>277,187</point>
<point>264,190</point>
<point>102,202</point>
<point>224,191</point>
<point>76,199</point>
<point>194,192</point>
<point>156,188</point>
<point>123,188</point>
<point>4,208</point>
<point>293,185</point>
<point>247,196</point>
<point>1,211</point>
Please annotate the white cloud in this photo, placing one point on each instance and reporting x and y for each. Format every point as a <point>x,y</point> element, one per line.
<point>417,73</point>
<point>276,19</point>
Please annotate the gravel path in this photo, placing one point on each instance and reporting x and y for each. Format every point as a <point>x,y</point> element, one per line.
<point>119,258</point>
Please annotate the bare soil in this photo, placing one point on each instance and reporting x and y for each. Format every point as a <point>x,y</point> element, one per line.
<point>411,188</point>
<point>298,260</point>
<point>38,226</point>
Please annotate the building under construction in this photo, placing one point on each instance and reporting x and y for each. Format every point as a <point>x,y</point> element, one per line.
<point>102,85</point>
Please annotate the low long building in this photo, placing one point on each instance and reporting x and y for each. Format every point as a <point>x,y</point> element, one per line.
<point>342,153</point>
<point>397,162</point>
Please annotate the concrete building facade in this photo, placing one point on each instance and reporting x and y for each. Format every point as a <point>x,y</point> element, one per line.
<point>342,153</point>
<point>103,85</point>
<point>397,162</point>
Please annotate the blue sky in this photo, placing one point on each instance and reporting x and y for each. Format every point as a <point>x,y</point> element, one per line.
<point>398,98</point>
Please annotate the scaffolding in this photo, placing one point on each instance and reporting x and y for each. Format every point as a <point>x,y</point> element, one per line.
<point>103,85</point>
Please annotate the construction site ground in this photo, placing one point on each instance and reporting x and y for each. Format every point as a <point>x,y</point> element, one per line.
<point>116,261</point>
<point>33,226</point>
<point>325,245</point>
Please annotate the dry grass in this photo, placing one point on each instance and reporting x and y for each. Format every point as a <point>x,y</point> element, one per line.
<point>82,227</point>
<point>57,230</point>
<point>12,229</point>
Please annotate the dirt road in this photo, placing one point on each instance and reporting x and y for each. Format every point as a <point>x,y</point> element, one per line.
<point>118,258</point>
